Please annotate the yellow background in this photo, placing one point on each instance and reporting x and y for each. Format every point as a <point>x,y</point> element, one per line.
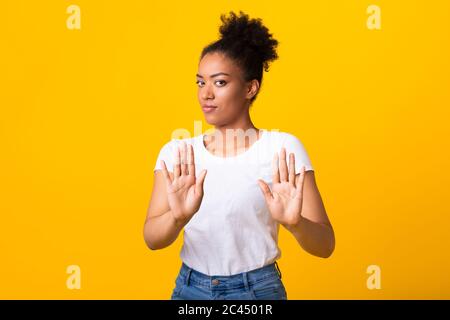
<point>85,112</point>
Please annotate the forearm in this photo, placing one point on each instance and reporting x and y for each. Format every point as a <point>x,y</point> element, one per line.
<point>315,238</point>
<point>161,231</point>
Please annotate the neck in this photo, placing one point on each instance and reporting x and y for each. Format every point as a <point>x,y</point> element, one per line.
<point>218,139</point>
<point>242,123</point>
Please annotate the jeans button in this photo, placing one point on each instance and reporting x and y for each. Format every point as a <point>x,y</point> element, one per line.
<point>215,282</point>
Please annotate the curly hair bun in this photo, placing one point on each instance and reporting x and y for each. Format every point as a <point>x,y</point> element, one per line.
<point>243,34</point>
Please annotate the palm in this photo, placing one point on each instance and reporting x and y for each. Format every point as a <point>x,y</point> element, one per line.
<point>184,190</point>
<point>285,205</point>
<point>181,195</point>
<point>285,199</point>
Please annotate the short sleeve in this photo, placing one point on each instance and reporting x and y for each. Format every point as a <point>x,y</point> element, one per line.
<point>294,145</point>
<point>166,153</point>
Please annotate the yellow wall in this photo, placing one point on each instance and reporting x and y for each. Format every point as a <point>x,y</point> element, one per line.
<point>85,112</point>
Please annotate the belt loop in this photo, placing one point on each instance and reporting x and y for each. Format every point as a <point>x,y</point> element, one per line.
<point>245,279</point>
<point>278,269</point>
<point>188,275</point>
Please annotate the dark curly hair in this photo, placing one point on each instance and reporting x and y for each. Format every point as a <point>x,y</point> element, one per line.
<point>247,42</point>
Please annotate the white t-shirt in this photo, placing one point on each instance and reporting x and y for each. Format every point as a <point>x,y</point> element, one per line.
<point>233,230</point>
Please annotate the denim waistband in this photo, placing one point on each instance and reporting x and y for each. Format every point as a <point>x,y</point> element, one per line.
<point>233,281</point>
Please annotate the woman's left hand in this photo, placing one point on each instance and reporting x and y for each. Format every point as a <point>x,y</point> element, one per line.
<point>286,197</point>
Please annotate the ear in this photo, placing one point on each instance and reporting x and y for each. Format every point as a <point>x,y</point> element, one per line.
<point>252,89</point>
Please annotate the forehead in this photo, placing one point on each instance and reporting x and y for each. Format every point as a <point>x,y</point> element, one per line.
<point>215,62</point>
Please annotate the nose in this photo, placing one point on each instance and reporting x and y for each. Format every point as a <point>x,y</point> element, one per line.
<point>207,92</point>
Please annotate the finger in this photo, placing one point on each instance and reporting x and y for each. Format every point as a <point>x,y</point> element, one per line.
<point>191,161</point>
<point>283,166</point>
<point>200,182</point>
<point>292,169</point>
<point>265,190</point>
<point>183,159</point>
<point>165,173</point>
<point>176,167</point>
<point>275,171</point>
<point>300,182</point>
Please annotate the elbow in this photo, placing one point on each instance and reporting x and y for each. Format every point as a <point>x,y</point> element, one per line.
<point>329,248</point>
<point>148,242</point>
<point>152,248</point>
<point>328,253</point>
<point>328,245</point>
<point>151,245</point>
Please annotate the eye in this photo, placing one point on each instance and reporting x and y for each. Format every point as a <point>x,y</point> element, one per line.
<point>222,81</point>
<point>198,82</point>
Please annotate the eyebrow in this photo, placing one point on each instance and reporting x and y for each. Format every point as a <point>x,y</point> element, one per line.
<point>214,75</point>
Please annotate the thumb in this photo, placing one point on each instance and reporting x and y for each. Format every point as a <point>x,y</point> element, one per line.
<point>200,181</point>
<point>265,190</point>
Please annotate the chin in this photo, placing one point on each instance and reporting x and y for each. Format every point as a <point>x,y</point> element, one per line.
<point>212,120</point>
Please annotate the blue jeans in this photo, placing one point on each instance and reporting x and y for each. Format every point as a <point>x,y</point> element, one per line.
<point>258,284</point>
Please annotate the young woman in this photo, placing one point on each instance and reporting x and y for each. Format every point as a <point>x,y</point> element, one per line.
<point>231,198</point>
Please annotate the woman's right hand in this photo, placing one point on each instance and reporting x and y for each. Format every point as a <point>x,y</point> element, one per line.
<point>184,190</point>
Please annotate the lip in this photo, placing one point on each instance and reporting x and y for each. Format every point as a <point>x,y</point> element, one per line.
<point>208,108</point>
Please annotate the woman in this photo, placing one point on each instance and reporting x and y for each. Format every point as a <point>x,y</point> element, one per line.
<point>245,188</point>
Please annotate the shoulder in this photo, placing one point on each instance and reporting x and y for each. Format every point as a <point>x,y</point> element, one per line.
<point>289,141</point>
<point>168,151</point>
<point>293,144</point>
<point>283,137</point>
